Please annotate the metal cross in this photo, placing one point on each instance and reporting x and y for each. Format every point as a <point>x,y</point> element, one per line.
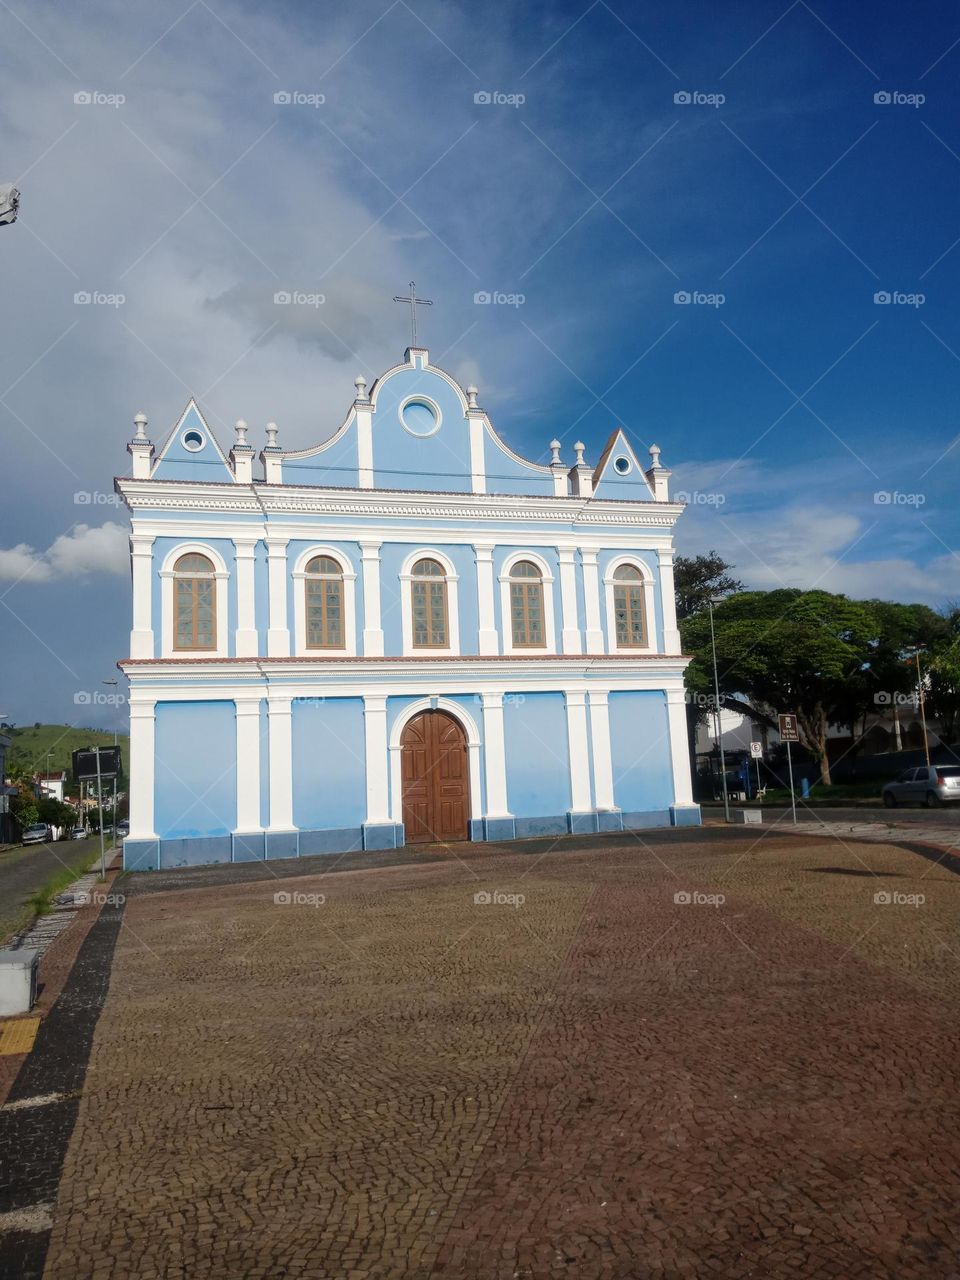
<point>413,302</point>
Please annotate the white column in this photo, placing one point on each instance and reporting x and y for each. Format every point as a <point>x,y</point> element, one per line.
<point>679,748</point>
<point>495,756</point>
<point>375,753</point>
<point>570,635</point>
<point>248,764</point>
<point>364,415</point>
<point>600,741</point>
<point>591,602</point>
<point>478,478</point>
<point>372,629</point>
<point>668,602</point>
<point>141,637</point>
<point>246,643</point>
<point>278,636</point>
<point>143,716</point>
<point>280,728</point>
<point>579,758</point>
<point>488,642</point>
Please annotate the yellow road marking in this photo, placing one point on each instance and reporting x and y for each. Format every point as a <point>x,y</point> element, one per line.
<point>18,1036</point>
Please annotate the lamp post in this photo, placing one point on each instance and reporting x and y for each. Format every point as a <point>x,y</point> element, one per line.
<point>923,712</point>
<point>716,691</point>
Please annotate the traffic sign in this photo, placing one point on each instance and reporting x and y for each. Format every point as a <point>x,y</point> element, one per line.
<point>756,750</point>
<point>789,731</point>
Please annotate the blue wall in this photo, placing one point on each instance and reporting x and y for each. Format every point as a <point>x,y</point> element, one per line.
<point>538,774</point>
<point>196,768</point>
<point>640,745</point>
<point>328,753</point>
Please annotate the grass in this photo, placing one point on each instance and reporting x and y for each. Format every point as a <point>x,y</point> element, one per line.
<point>29,745</point>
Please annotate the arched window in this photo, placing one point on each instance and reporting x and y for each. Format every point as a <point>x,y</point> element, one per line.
<point>323,588</point>
<point>526,606</point>
<point>428,590</point>
<point>628,607</point>
<point>195,603</point>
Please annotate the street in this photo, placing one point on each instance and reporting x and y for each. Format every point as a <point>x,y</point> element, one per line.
<point>25,871</point>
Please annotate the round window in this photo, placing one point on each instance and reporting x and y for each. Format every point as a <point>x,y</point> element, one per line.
<point>622,465</point>
<point>420,417</point>
<point>193,440</point>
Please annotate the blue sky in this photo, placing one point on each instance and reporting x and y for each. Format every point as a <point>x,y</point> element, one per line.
<point>783,409</point>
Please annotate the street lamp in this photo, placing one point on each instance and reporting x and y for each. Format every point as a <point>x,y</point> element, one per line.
<point>114,682</point>
<point>923,713</point>
<point>716,691</point>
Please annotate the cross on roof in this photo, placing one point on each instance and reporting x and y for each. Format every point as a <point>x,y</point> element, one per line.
<point>413,302</point>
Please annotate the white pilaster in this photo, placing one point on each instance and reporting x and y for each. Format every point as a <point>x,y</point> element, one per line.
<point>579,749</point>
<point>246,644</point>
<point>591,602</point>
<point>679,748</point>
<point>488,642</point>
<point>372,628</point>
<point>668,602</point>
<point>364,415</point>
<point>278,636</point>
<point>143,715</point>
<point>477,464</point>
<point>600,741</point>
<point>248,764</point>
<point>495,756</point>
<point>280,729</point>
<point>570,635</point>
<point>141,637</point>
<point>376,756</point>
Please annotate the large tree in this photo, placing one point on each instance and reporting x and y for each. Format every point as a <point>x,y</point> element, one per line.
<point>697,579</point>
<point>787,650</point>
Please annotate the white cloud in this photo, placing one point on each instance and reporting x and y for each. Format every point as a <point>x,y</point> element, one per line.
<point>83,551</point>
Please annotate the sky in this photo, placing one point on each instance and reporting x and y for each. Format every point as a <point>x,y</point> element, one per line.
<point>730,230</point>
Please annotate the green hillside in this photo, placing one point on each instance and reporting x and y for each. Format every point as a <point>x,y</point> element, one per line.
<point>29,746</point>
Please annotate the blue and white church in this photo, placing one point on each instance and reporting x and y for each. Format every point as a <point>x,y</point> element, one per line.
<point>407,633</point>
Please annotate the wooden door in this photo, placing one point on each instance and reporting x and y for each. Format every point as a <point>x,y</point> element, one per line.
<point>433,763</point>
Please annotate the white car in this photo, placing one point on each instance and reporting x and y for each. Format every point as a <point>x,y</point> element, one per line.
<point>934,785</point>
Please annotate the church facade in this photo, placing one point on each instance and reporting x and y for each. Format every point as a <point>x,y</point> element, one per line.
<point>407,633</point>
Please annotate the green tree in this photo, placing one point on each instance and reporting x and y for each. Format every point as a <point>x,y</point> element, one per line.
<point>787,650</point>
<point>697,579</point>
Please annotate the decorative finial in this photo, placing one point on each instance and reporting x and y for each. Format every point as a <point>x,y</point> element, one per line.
<point>140,422</point>
<point>555,450</point>
<point>578,449</point>
<point>241,430</point>
<point>272,430</point>
<point>360,383</point>
<point>654,456</point>
<point>472,394</point>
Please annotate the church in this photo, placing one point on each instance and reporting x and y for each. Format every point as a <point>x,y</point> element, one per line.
<point>404,634</point>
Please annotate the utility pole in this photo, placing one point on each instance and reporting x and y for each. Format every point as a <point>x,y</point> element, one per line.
<point>716,691</point>
<point>115,683</point>
<point>923,714</point>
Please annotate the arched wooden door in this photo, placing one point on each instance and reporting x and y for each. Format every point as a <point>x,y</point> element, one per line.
<point>436,787</point>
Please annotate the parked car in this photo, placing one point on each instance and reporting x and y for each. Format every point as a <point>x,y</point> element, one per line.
<point>123,828</point>
<point>39,833</point>
<point>78,833</point>
<point>934,785</point>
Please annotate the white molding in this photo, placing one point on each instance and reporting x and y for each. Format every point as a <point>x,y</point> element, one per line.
<point>494,755</point>
<point>578,751</point>
<point>668,601</point>
<point>299,577</point>
<point>365,473</point>
<point>591,601</point>
<point>570,641</point>
<point>549,623</point>
<point>417,397</point>
<point>679,747</point>
<point>599,702</point>
<point>649,612</point>
<point>469,726</point>
<point>376,758</point>
<point>221,579</point>
<point>278,632</point>
<point>141,570</point>
<point>248,763</point>
<point>246,643</point>
<point>488,639</point>
<point>280,731</point>
<point>478,469</point>
<point>451,578</point>
<point>372,623</point>
<point>143,747</point>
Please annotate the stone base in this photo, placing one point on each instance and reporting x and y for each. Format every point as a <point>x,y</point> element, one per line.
<point>685,815</point>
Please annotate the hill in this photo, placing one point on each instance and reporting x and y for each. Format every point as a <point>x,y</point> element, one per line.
<point>30,744</point>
